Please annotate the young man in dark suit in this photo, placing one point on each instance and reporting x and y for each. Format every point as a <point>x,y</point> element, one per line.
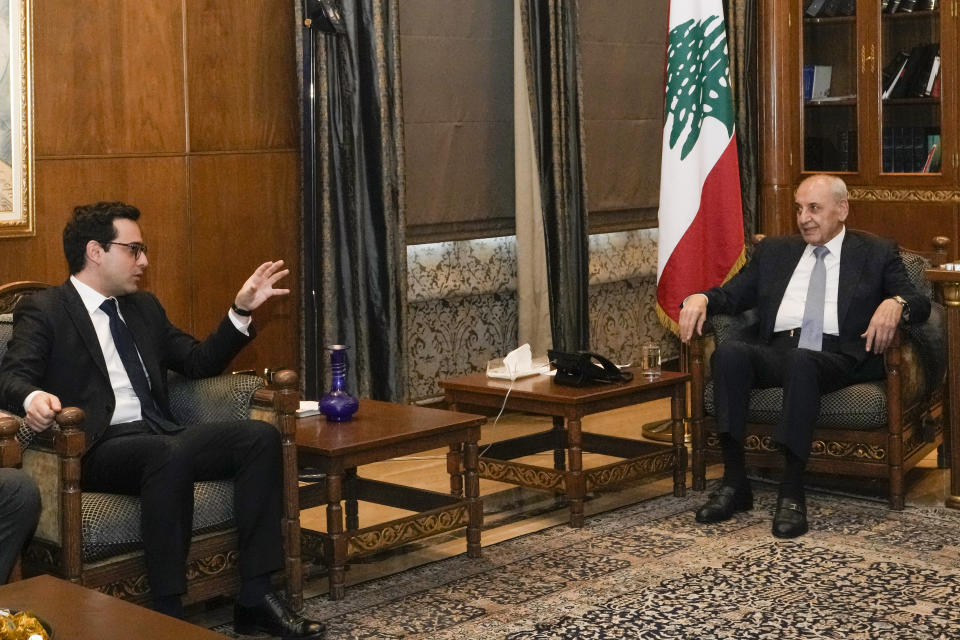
<point>829,302</point>
<point>99,343</point>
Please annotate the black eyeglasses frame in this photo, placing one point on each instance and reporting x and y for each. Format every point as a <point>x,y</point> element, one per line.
<point>136,248</point>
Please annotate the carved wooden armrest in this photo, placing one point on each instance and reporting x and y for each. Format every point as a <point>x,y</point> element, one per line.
<point>9,447</point>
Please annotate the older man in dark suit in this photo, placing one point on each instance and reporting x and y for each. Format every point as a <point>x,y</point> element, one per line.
<point>98,343</point>
<point>829,302</point>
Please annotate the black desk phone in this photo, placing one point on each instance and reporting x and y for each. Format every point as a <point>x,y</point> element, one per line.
<point>583,367</point>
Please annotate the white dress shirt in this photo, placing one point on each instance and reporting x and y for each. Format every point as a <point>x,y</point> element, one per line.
<point>127,407</point>
<point>790,314</point>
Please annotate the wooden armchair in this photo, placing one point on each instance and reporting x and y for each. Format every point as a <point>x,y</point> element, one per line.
<point>94,538</point>
<point>878,430</point>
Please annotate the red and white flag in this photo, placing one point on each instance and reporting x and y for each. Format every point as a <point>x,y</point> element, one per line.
<point>701,220</point>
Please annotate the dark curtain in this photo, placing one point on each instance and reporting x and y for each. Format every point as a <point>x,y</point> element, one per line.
<point>741,18</point>
<point>354,248</point>
<point>551,52</point>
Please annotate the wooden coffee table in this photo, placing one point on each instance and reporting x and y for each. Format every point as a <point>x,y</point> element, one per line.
<point>380,431</point>
<point>538,394</point>
<point>78,613</point>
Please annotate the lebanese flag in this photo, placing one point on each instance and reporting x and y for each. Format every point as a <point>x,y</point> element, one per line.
<point>700,240</point>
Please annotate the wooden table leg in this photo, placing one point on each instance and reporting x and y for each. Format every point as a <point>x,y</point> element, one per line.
<point>576,481</point>
<point>455,470</point>
<point>350,493</point>
<point>338,541</point>
<point>678,406</point>
<point>560,444</point>
<point>474,505</point>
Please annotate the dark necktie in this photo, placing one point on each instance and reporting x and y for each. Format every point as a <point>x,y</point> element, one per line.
<point>811,331</point>
<point>127,349</point>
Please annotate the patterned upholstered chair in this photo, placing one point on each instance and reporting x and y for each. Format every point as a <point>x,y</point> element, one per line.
<point>94,538</point>
<point>876,430</point>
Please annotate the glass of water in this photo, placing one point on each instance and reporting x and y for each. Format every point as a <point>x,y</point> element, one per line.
<point>650,364</point>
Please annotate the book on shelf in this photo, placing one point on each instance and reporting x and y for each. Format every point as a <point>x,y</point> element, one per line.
<point>892,6</point>
<point>918,74</point>
<point>935,92</point>
<point>884,4</point>
<point>907,6</point>
<point>933,75</point>
<point>814,8</point>
<point>807,81</point>
<point>919,150</point>
<point>893,72</point>
<point>900,157</point>
<point>846,7</point>
<point>886,154</point>
<point>935,146</point>
<point>903,87</point>
<point>910,149</point>
<point>847,150</point>
<point>827,99</point>
<point>929,5</point>
<point>820,88</point>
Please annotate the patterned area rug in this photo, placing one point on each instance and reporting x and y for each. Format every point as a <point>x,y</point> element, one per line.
<point>650,571</point>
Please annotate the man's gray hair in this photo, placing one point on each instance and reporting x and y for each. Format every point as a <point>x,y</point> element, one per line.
<point>838,188</point>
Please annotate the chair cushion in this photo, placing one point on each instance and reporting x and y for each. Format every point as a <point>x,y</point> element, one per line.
<point>915,265</point>
<point>111,522</point>
<point>221,398</point>
<point>860,406</point>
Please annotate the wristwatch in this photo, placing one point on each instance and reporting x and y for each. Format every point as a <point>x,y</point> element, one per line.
<point>905,314</point>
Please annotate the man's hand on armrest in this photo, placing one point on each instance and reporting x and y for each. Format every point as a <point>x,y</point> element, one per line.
<point>882,326</point>
<point>693,314</point>
<point>42,408</point>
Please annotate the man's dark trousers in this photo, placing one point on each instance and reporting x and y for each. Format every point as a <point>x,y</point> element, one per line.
<point>19,510</point>
<point>805,375</point>
<point>161,469</point>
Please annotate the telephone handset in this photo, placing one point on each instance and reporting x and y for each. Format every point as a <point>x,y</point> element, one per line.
<point>583,368</point>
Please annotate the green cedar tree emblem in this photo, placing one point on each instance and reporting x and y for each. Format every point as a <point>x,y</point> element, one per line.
<point>697,85</point>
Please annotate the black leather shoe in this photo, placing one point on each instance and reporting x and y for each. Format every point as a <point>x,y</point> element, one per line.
<point>724,502</point>
<point>274,617</point>
<point>790,519</point>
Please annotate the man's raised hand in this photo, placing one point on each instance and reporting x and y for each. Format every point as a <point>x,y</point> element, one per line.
<point>259,286</point>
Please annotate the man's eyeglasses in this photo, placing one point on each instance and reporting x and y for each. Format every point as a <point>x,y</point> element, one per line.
<point>136,248</point>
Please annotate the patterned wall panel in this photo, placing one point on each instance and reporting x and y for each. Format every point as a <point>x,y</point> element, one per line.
<point>623,317</point>
<point>623,255</point>
<point>457,335</point>
<point>463,306</point>
<point>469,267</point>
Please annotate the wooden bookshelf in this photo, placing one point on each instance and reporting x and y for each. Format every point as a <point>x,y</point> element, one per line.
<point>845,132</point>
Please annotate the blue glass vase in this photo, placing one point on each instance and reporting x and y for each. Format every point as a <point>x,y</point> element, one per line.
<point>338,405</point>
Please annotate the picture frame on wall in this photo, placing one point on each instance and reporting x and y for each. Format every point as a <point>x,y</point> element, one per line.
<point>16,131</point>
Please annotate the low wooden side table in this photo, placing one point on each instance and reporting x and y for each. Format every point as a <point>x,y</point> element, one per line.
<point>380,431</point>
<point>79,613</point>
<point>949,284</point>
<point>568,405</point>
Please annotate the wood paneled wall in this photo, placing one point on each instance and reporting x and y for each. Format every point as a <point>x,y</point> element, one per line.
<point>186,109</point>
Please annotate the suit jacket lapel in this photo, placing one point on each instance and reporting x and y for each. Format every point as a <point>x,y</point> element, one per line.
<point>80,317</point>
<point>852,258</point>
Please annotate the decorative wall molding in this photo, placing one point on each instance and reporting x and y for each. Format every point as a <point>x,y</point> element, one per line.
<point>904,195</point>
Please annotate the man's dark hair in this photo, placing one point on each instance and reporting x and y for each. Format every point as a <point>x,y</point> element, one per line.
<point>93,222</point>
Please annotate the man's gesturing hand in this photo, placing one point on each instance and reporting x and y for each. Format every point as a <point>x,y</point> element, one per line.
<point>42,410</point>
<point>259,287</point>
<point>882,326</point>
<point>692,316</point>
